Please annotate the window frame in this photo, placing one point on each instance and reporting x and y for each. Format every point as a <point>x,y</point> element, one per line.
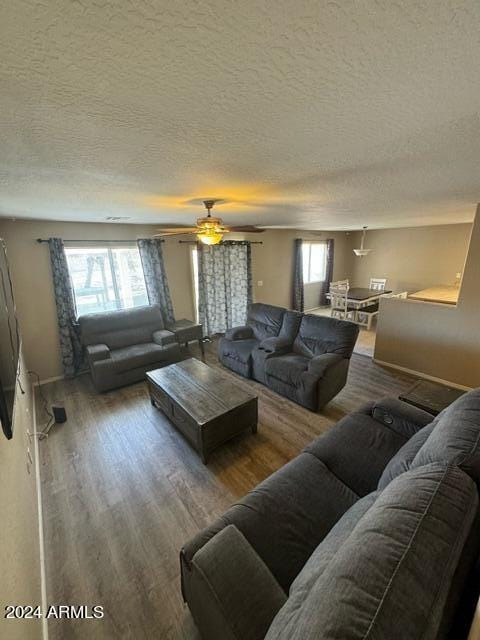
<point>109,247</point>
<point>309,244</point>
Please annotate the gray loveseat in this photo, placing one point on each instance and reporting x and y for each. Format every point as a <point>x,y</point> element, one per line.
<point>122,345</point>
<point>301,356</point>
<point>372,532</point>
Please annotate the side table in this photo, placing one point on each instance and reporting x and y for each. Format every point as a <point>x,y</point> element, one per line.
<point>186,331</point>
<point>430,396</point>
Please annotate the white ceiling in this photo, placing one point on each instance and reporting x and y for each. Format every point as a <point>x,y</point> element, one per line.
<point>305,113</point>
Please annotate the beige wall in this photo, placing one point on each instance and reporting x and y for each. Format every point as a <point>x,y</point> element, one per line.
<point>433,339</point>
<point>412,259</point>
<point>409,258</point>
<point>19,539</point>
<point>272,262</point>
<point>30,265</point>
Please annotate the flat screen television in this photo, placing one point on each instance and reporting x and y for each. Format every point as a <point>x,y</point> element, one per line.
<point>9,345</point>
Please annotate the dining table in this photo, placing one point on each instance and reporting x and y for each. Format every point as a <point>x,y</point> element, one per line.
<point>364,296</point>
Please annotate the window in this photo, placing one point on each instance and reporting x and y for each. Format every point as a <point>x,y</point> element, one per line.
<point>106,278</point>
<point>314,261</point>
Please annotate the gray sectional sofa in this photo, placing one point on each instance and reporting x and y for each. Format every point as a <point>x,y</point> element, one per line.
<point>371,533</point>
<point>303,357</point>
<point>122,345</point>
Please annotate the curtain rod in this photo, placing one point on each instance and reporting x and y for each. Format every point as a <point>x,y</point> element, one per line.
<point>195,241</point>
<point>40,240</point>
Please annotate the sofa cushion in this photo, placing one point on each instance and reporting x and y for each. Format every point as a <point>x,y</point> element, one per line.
<point>121,328</point>
<point>265,319</point>
<point>321,334</point>
<point>138,355</point>
<point>391,576</point>
<point>357,449</point>
<point>326,550</point>
<point>287,368</point>
<point>455,437</point>
<point>291,322</point>
<point>403,459</point>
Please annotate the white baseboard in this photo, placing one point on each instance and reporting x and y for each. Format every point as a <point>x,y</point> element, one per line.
<point>47,380</point>
<point>326,306</point>
<point>425,376</point>
<point>41,539</point>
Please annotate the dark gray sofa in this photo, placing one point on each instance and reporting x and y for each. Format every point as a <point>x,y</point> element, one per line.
<point>372,532</point>
<point>122,345</point>
<point>301,356</point>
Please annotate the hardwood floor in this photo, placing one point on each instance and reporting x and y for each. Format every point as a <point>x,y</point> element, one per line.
<point>123,491</point>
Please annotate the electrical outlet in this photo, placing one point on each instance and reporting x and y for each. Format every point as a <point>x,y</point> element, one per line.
<point>260,283</point>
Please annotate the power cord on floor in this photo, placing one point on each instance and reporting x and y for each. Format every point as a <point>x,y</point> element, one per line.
<point>51,418</point>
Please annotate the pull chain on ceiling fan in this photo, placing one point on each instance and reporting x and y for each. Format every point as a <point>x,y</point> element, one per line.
<point>209,230</point>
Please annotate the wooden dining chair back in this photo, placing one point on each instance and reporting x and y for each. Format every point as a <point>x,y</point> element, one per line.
<point>339,299</point>
<point>378,284</point>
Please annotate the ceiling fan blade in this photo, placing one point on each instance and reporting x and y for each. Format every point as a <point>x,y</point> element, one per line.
<point>175,229</point>
<point>247,228</point>
<point>176,232</point>
<point>171,227</point>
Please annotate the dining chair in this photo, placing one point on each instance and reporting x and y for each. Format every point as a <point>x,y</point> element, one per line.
<point>339,300</point>
<point>378,284</point>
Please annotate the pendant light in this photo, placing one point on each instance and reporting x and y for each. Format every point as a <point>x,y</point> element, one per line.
<point>362,252</point>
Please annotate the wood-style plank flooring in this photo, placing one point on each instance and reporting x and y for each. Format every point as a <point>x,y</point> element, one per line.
<point>123,491</point>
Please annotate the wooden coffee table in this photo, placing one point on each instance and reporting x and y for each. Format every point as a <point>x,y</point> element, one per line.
<point>205,406</point>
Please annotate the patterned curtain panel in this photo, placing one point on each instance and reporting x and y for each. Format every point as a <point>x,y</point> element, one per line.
<point>224,285</point>
<point>155,276</point>
<point>70,345</point>
<point>298,293</point>
<point>328,272</point>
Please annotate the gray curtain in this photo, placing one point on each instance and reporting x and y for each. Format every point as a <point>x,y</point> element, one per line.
<point>328,272</point>
<point>224,285</point>
<point>297,292</point>
<point>70,345</point>
<point>156,283</point>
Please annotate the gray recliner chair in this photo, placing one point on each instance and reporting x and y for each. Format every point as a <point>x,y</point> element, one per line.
<point>121,346</point>
<point>315,368</point>
<point>268,329</point>
<point>303,357</point>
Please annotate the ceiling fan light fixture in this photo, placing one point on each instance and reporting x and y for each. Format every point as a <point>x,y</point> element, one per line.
<point>210,236</point>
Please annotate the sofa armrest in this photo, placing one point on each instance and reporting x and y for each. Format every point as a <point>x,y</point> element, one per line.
<point>400,416</point>
<point>319,365</point>
<point>163,337</point>
<point>96,352</point>
<point>239,333</point>
<point>231,592</point>
<point>276,345</point>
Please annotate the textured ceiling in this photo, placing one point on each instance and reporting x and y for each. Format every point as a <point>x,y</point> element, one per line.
<point>301,113</point>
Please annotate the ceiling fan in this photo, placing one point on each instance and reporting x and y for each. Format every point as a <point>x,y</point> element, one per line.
<point>208,230</point>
